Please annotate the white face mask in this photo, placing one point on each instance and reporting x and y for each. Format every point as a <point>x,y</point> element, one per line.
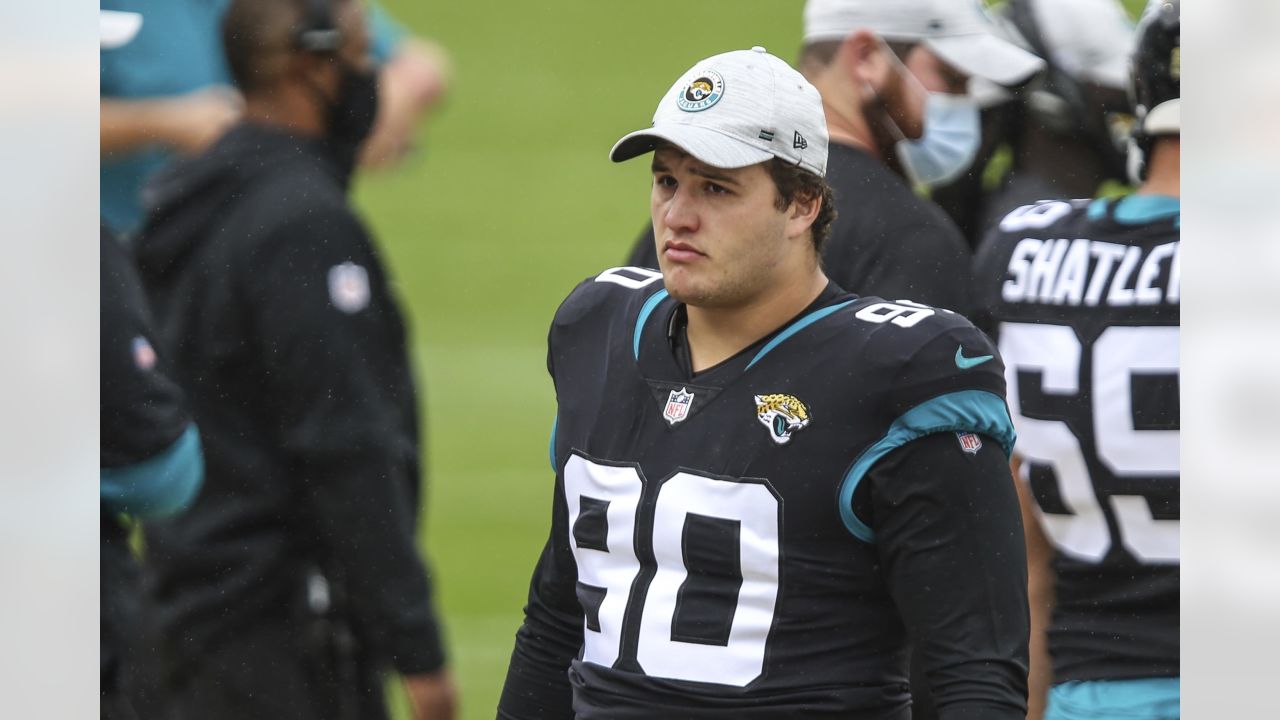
<point>952,135</point>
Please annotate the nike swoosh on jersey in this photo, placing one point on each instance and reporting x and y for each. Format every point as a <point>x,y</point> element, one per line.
<point>964,363</point>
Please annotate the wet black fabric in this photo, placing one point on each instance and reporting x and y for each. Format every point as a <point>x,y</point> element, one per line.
<point>1086,271</point>
<point>283,326</point>
<point>142,412</point>
<point>684,503</point>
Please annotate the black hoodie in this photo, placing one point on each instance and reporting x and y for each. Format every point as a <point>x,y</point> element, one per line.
<point>277,314</point>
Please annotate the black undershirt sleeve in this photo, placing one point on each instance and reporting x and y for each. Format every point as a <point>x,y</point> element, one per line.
<point>537,685</point>
<point>949,533</point>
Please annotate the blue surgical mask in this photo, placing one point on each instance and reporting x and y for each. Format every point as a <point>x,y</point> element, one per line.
<point>952,134</point>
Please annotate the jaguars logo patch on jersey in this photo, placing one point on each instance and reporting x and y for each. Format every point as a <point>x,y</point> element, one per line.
<point>782,414</point>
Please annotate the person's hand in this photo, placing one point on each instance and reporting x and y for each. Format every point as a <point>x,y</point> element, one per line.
<point>198,118</point>
<point>432,696</point>
<point>410,86</point>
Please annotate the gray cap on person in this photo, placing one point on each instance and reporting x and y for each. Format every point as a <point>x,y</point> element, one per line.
<point>958,31</point>
<point>737,109</point>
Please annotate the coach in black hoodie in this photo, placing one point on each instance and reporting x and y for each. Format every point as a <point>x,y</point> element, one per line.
<point>294,580</point>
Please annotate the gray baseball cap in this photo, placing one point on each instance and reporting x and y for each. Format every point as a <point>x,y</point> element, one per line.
<point>958,31</point>
<point>737,109</point>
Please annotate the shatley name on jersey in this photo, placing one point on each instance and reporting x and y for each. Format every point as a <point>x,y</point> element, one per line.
<point>1080,271</point>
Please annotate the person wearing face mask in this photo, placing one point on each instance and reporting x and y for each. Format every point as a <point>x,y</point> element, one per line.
<point>294,581</point>
<point>894,84</point>
<point>894,81</point>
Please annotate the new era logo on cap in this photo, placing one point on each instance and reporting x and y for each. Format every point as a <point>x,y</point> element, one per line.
<point>737,109</point>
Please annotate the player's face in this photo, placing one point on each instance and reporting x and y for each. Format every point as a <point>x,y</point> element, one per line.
<point>934,73</point>
<point>720,236</point>
<point>906,83</point>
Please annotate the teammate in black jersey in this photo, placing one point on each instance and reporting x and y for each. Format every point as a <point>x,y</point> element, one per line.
<point>766,486</point>
<point>1084,297</point>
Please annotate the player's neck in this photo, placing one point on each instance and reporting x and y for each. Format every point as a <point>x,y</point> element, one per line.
<point>1164,169</point>
<point>846,123</point>
<point>717,334</point>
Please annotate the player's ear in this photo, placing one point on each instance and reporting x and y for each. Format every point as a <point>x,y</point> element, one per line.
<point>862,54</point>
<point>802,212</point>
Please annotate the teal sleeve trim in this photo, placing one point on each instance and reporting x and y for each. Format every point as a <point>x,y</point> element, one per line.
<point>976,411</point>
<point>1130,698</point>
<point>160,485</point>
<point>551,446</point>
<point>1139,209</point>
<point>645,311</point>
<point>385,34</point>
<point>794,328</point>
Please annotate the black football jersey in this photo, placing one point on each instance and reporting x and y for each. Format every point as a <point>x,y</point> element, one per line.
<point>706,524</point>
<point>1084,297</point>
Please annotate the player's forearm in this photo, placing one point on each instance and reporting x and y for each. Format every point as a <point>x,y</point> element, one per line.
<point>537,684</point>
<point>128,125</point>
<point>1040,597</point>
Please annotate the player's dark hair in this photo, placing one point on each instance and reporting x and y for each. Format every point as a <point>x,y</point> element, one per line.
<point>815,56</point>
<point>258,34</point>
<point>796,183</point>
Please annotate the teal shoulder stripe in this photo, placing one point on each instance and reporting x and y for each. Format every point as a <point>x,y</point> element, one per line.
<point>794,328</point>
<point>160,485</point>
<point>1097,209</point>
<point>551,446</point>
<point>976,411</point>
<point>645,311</point>
<point>1139,209</point>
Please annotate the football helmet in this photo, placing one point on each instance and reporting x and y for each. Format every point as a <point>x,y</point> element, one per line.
<point>1156,76</point>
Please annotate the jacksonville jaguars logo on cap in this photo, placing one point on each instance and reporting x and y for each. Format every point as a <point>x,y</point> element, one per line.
<point>705,90</point>
<point>782,414</point>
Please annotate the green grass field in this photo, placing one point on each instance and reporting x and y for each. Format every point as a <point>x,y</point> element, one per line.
<point>510,202</point>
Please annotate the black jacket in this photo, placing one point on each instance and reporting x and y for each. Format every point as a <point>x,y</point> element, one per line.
<point>279,319</point>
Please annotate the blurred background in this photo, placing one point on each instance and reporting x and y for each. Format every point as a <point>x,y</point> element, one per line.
<point>510,200</point>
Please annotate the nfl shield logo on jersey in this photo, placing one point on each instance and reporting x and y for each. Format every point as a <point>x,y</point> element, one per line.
<point>969,442</point>
<point>677,408</point>
<point>144,356</point>
<point>349,287</point>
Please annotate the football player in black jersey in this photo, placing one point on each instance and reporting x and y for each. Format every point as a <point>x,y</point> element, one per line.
<point>1084,298</point>
<point>766,487</point>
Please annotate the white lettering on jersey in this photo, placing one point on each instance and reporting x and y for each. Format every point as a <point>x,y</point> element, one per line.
<point>1015,290</point>
<point>633,278</point>
<point>1057,272</point>
<point>1121,294</point>
<point>1075,270</point>
<point>1107,255</point>
<point>1036,217</point>
<point>903,313</point>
